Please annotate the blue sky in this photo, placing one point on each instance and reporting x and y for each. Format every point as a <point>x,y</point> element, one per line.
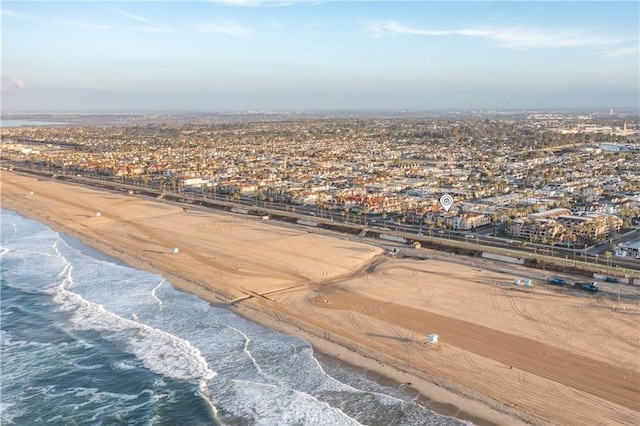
<point>283,55</point>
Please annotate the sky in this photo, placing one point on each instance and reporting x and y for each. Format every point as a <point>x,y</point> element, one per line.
<point>239,55</point>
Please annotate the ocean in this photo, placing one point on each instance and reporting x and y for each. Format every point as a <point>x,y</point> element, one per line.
<point>29,123</point>
<point>87,340</point>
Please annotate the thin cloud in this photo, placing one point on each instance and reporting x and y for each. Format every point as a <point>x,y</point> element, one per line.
<point>276,25</point>
<point>85,25</point>
<point>150,30</point>
<point>51,20</point>
<point>136,17</point>
<point>620,51</point>
<point>153,27</point>
<point>12,84</point>
<point>241,3</point>
<point>21,16</point>
<point>257,3</point>
<point>514,37</point>
<point>227,28</point>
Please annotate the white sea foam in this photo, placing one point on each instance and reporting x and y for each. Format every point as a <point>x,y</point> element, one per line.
<point>263,377</point>
<point>103,404</point>
<point>5,338</point>
<point>202,388</point>
<point>9,411</point>
<point>161,352</point>
<point>123,366</point>
<point>29,268</point>
<point>266,404</point>
<point>153,293</point>
<point>87,367</point>
<point>9,236</point>
<point>382,397</point>
<point>246,347</point>
<point>31,363</point>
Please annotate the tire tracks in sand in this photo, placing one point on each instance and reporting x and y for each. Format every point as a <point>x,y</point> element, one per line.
<point>594,377</point>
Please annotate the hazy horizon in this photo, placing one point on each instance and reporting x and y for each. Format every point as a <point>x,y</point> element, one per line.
<point>240,55</point>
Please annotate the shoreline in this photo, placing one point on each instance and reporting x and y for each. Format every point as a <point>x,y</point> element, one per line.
<point>429,396</point>
<point>427,393</point>
<point>324,352</point>
<point>223,263</point>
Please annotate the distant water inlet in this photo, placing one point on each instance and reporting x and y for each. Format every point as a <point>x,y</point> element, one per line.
<point>27,123</point>
<point>88,341</point>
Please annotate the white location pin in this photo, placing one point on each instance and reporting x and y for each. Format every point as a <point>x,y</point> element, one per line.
<point>446,201</point>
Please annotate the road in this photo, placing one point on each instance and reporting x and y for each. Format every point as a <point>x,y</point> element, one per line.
<point>601,248</point>
<point>593,255</point>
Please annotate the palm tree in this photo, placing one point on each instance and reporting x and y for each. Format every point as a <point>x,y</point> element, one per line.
<point>571,237</point>
<point>236,196</point>
<point>608,255</point>
<point>626,213</point>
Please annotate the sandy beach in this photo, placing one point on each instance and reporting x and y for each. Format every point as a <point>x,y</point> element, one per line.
<point>507,354</point>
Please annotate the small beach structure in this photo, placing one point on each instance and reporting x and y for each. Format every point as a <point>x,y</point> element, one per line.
<point>432,339</point>
<point>175,250</point>
<point>98,214</point>
<point>517,281</point>
<point>527,283</point>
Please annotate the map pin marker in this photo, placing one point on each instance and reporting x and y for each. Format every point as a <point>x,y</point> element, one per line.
<point>446,201</point>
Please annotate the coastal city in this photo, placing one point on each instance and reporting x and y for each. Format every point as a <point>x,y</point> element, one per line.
<point>384,239</point>
<point>324,213</point>
<point>568,180</point>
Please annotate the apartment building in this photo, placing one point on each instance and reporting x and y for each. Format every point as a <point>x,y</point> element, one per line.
<point>535,230</point>
<point>558,224</point>
<point>467,221</point>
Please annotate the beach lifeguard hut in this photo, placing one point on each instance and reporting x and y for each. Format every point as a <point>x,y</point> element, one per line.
<point>432,339</point>
<point>175,250</point>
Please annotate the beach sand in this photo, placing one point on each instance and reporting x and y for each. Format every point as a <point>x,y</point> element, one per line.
<point>507,355</point>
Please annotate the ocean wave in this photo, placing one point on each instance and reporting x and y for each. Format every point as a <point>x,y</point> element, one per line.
<point>9,412</point>
<point>266,404</point>
<point>159,351</point>
<point>253,374</point>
